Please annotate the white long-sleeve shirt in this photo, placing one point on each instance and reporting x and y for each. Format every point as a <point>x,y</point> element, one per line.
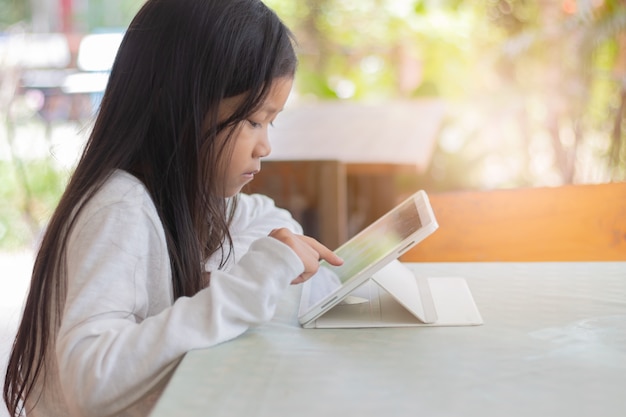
<point>122,333</point>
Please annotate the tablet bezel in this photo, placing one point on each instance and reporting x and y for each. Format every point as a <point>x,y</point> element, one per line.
<point>428,226</point>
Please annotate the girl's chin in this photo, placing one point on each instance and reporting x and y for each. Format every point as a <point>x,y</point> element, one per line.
<point>231,192</point>
<point>233,189</point>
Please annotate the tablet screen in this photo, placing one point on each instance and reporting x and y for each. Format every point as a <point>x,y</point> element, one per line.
<point>368,247</point>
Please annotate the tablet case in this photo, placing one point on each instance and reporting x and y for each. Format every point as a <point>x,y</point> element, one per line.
<point>395,297</point>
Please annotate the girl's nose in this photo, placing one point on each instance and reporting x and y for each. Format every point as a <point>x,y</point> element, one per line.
<point>263,148</point>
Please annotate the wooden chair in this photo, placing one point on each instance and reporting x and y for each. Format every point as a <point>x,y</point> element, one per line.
<point>567,223</point>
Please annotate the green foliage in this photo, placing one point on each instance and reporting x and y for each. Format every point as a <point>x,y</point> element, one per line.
<point>110,13</point>
<point>25,208</point>
<point>13,11</point>
<point>355,49</point>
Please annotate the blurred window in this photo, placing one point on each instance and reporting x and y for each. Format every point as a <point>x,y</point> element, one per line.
<point>97,51</point>
<point>35,51</point>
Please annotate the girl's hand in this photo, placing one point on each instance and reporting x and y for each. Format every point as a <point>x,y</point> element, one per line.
<point>309,250</point>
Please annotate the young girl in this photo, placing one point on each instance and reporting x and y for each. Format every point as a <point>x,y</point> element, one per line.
<point>152,251</point>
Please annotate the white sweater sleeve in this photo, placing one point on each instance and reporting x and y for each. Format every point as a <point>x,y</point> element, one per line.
<point>257,213</point>
<point>256,216</point>
<point>121,332</point>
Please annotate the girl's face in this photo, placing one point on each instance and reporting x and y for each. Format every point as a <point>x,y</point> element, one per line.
<point>250,140</point>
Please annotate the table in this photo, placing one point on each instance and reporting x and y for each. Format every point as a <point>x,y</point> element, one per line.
<point>553,344</point>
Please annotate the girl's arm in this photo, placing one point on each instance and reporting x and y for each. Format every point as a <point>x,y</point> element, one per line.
<point>257,213</point>
<point>121,331</point>
<point>256,217</point>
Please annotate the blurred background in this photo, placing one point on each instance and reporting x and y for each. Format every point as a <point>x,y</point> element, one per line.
<point>505,93</point>
<point>391,96</point>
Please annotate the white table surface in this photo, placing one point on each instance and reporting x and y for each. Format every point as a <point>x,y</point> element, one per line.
<point>553,344</point>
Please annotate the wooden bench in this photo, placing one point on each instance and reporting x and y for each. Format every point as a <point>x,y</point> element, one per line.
<point>566,223</point>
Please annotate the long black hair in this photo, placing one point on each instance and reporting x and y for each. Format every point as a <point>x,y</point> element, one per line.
<point>159,121</point>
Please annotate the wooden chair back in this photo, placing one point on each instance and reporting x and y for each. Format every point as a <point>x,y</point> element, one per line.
<point>566,223</point>
<point>313,191</point>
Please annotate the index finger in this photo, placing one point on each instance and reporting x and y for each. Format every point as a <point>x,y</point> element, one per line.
<point>324,253</point>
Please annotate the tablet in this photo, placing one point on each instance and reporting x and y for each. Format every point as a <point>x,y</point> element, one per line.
<point>365,254</point>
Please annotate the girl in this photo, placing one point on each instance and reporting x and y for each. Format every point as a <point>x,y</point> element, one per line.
<point>152,251</point>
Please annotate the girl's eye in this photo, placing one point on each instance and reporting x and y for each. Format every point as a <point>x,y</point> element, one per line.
<point>254,124</point>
